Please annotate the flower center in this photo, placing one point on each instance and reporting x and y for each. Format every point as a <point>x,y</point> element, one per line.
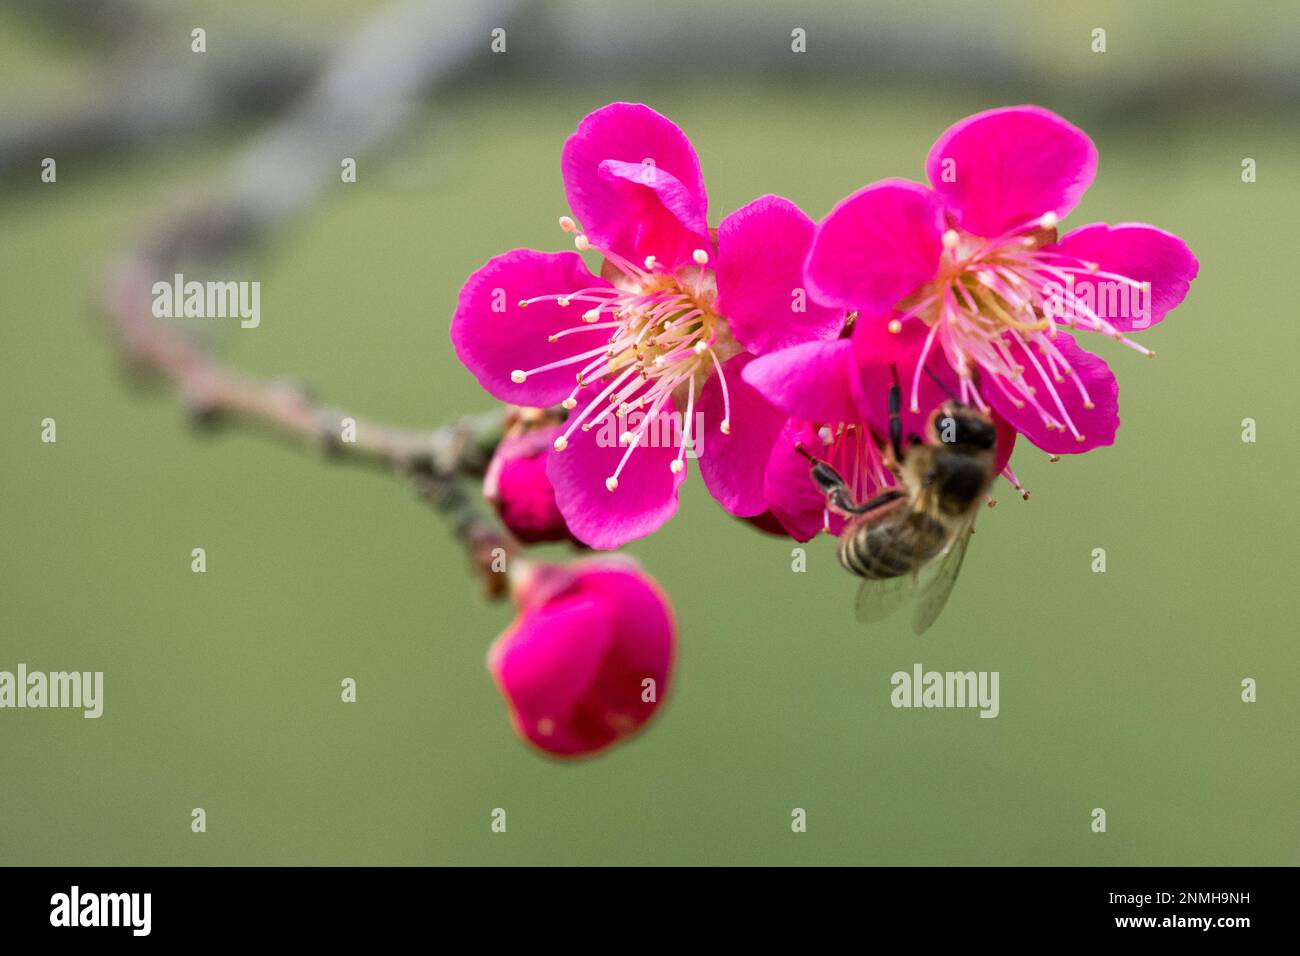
<point>996,304</point>
<point>664,339</point>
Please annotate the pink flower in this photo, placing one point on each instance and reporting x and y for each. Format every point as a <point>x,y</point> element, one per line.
<point>968,277</point>
<point>516,484</point>
<point>588,659</point>
<point>647,354</point>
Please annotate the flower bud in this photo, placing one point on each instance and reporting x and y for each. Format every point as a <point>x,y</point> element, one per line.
<point>516,484</point>
<point>587,661</point>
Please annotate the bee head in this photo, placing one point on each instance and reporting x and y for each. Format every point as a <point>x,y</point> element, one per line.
<point>956,424</point>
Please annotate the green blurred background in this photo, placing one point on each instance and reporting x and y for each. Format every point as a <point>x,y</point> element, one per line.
<point>1118,690</point>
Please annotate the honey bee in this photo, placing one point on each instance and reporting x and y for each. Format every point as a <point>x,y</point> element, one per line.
<point>909,541</point>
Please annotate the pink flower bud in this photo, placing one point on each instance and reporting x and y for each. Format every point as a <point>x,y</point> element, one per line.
<point>517,486</point>
<point>587,661</point>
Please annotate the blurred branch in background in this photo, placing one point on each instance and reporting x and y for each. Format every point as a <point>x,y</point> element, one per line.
<point>361,96</point>
<point>1171,56</point>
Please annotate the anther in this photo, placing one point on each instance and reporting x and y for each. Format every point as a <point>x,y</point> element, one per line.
<point>518,376</point>
<point>676,466</point>
<point>950,239</point>
<point>895,326</point>
<point>570,403</point>
<point>611,483</point>
<point>725,427</point>
<point>700,257</point>
<point>649,263</point>
<point>582,243</point>
<point>561,443</point>
<point>1048,220</point>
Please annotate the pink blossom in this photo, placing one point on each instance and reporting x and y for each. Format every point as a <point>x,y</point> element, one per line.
<point>589,657</point>
<point>648,351</point>
<point>968,276</point>
<point>519,489</point>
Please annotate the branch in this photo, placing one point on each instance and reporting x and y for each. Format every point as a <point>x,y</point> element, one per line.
<point>389,60</point>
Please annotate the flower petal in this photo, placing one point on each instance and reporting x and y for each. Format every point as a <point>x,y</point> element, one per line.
<point>732,465</point>
<point>811,381</point>
<point>1003,168</point>
<point>1096,425</point>
<point>879,354</point>
<point>876,247</point>
<point>646,495</point>
<point>494,336</point>
<point>633,180</point>
<point>761,251</point>
<point>1135,251</point>
<point>1006,441</point>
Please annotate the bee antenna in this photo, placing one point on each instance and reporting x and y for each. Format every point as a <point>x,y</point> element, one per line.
<point>940,382</point>
<point>805,452</point>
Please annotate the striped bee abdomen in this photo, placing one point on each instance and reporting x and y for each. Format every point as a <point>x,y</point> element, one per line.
<point>892,544</point>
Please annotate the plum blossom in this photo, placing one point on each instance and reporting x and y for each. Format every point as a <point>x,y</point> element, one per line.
<point>968,276</point>
<point>655,341</point>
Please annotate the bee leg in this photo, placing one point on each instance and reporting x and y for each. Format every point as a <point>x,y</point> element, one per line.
<point>839,497</point>
<point>884,498</point>
<point>896,417</point>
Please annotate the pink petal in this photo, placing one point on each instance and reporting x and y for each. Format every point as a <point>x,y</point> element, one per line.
<point>878,352</point>
<point>761,251</point>
<point>811,381</point>
<point>1004,168</point>
<point>1006,441</point>
<point>646,495</point>
<point>493,336</point>
<point>732,465</point>
<point>634,182</point>
<point>1096,426</point>
<point>875,341</point>
<point>793,497</point>
<point>876,247</point>
<point>1135,251</point>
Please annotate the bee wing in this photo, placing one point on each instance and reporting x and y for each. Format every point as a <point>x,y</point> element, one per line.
<point>939,583</point>
<point>878,599</point>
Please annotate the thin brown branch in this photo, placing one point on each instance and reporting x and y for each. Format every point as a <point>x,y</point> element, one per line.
<point>277,175</point>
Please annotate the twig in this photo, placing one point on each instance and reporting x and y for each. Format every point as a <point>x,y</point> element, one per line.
<point>387,62</point>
